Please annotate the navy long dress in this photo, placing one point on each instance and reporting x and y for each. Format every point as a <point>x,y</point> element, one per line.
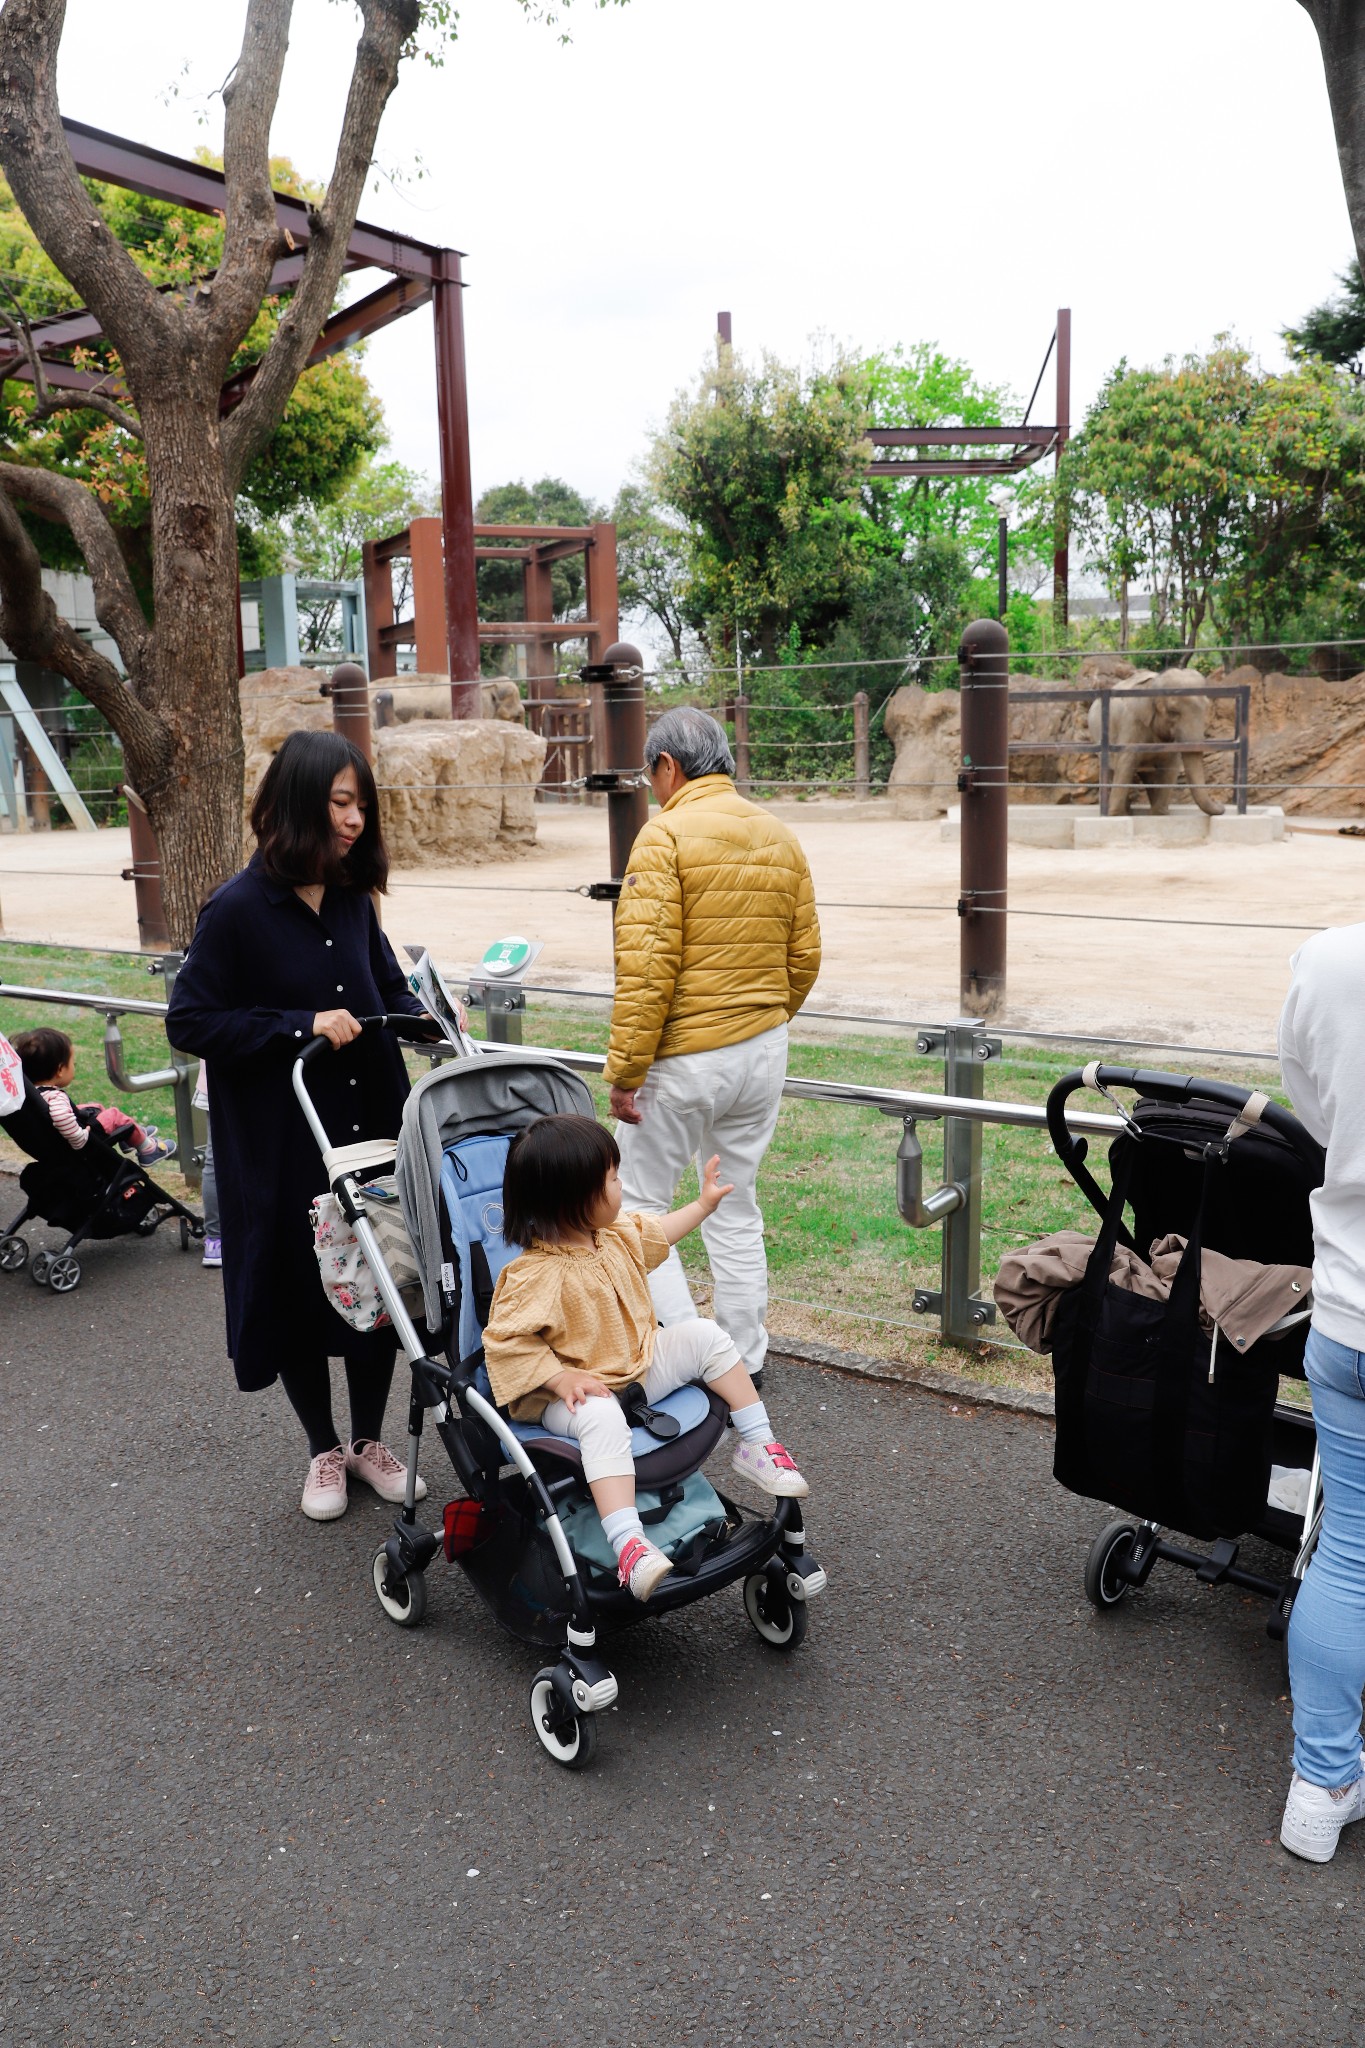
<point>260,967</point>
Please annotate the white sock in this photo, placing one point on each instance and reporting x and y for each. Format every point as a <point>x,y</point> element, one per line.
<point>620,1526</point>
<point>752,1423</point>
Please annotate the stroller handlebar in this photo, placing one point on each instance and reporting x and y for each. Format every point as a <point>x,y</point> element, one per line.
<point>1178,1089</point>
<point>420,1029</point>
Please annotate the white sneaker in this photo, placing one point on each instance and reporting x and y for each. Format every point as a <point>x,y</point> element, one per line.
<point>772,1468</point>
<point>1313,1818</point>
<point>641,1566</point>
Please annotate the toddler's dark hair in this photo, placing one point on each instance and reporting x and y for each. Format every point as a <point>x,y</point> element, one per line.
<point>41,1052</point>
<point>556,1168</point>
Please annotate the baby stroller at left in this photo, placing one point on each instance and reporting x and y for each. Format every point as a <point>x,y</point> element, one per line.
<point>525,1531</point>
<point>94,1193</point>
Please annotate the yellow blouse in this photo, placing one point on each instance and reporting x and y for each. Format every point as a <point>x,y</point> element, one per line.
<point>574,1305</point>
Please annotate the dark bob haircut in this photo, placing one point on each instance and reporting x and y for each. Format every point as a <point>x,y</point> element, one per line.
<point>556,1169</point>
<point>42,1052</point>
<point>292,821</point>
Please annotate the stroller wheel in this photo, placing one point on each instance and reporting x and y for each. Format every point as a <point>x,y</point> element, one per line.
<point>13,1254</point>
<point>1103,1586</point>
<point>571,1739</point>
<point>64,1273</point>
<point>780,1620</point>
<point>403,1600</point>
<point>37,1271</point>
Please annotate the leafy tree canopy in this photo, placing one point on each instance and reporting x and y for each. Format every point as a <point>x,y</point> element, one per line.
<point>1335,330</point>
<point>324,542</point>
<point>551,502</point>
<point>1234,494</point>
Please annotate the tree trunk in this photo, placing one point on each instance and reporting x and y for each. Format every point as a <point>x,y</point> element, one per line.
<point>1341,34</point>
<point>190,678</point>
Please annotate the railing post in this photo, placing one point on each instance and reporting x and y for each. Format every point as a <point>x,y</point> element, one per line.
<point>189,1140</point>
<point>983,782</point>
<point>962,1313</point>
<point>1243,754</point>
<point>618,771</point>
<point>145,875</point>
<point>862,782</point>
<point>1104,754</point>
<point>349,691</point>
<point>742,779</point>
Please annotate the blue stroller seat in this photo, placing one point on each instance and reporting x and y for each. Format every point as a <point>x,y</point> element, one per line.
<point>471,1189</point>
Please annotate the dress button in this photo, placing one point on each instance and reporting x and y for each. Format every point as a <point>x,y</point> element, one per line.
<point>339,987</point>
<point>327,942</point>
<point>298,1034</point>
<point>355,1127</point>
<point>353,1080</point>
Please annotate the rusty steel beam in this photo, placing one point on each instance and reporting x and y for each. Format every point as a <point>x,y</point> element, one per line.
<point>457,497</point>
<point>581,534</point>
<point>344,329</point>
<point>967,465</point>
<point>538,629</point>
<point>960,437</point>
<point>138,168</point>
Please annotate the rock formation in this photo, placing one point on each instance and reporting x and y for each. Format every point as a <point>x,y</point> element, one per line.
<point>449,789</point>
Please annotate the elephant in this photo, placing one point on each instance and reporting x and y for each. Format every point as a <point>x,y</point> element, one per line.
<point>429,697</point>
<point>1139,716</point>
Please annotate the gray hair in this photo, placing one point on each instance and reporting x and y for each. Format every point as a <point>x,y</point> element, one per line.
<point>693,739</point>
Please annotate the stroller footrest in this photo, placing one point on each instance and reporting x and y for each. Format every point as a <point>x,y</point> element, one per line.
<point>1218,1563</point>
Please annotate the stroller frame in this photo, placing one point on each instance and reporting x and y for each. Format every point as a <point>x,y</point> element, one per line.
<point>769,1555</point>
<point>1125,1553</point>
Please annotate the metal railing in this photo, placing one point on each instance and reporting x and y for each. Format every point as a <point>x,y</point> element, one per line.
<point>962,1108</point>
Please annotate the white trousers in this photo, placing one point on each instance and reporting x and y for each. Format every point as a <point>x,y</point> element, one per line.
<point>694,1350</point>
<point>694,1105</point>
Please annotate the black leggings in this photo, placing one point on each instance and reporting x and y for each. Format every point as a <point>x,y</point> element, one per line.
<point>308,1383</point>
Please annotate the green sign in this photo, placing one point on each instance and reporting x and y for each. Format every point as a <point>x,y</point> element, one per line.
<point>507,956</point>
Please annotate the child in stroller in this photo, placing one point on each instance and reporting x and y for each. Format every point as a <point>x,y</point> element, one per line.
<point>49,1061</point>
<point>573,1326</point>
<point>90,1191</point>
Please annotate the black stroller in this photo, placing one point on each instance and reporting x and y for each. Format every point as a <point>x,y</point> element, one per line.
<point>526,1533</point>
<point>1153,1416</point>
<point>96,1192</point>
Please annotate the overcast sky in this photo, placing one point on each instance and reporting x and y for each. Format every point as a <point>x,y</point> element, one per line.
<point>876,170</point>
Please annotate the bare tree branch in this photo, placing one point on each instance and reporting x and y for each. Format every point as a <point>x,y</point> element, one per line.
<point>46,401</point>
<point>62,498</point>
<point>387,27</point>
<point>35,630</point>
<point>43,178</point>
<point>252,237</point>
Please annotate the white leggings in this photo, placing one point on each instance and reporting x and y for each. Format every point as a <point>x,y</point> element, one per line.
<point>684,1351</point>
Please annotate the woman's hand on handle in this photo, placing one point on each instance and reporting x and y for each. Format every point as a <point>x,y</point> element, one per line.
<point>338,1027</point>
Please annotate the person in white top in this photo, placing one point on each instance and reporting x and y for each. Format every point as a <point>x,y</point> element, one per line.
<point>1322,1057</point>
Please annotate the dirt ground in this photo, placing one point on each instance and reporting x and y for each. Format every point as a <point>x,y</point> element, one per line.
<point>887,893</point>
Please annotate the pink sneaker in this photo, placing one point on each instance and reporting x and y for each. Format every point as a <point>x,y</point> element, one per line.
<point>772,1468</point>
<point>377,1466</point>
<point>324,1490</point>
<point>640,1566</point>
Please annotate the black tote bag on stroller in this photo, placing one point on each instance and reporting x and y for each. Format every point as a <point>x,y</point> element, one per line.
<point>1152,1414</point>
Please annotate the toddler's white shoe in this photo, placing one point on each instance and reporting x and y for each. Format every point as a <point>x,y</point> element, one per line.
<point>640,1566</point>
<point>772,1468</point>
<point>1314,1818</point>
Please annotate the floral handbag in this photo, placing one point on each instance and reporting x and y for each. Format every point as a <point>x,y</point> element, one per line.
<point>347,1279</point>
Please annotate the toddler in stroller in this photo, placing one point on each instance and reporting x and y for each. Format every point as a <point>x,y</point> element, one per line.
<point>49,1060</point>
<point>573,1321</point>
<point>94,1191</point>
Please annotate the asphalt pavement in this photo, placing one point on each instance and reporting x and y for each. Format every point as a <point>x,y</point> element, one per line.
<point>239,1806</point>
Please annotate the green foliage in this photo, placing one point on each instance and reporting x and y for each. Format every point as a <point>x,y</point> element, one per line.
<point>764,466</point>
<point>551,502</point>
<point>324,542</point>
<point>1335,330</point>
<point>653,560</point>
<point>1235,495</point>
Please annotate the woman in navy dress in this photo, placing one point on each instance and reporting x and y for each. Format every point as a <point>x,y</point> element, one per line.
<point>288,950</point>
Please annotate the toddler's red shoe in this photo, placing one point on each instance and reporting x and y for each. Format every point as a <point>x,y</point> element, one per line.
<point>640,1566</point>
<point>772,1468</point>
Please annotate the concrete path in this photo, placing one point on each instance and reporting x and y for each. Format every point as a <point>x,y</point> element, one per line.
<point>242,1808</point>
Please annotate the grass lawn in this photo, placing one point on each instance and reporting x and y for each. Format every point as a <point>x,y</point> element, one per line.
<point>843,1266</point>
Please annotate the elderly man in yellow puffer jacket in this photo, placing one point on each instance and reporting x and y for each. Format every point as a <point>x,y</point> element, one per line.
<point>717,947</point>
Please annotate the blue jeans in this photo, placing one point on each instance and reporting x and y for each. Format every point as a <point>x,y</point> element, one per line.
<point>1327,1627</point>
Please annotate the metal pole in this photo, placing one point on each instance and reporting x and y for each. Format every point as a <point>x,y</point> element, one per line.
<point>623,738</point>
<point>457,494</point>
<point>742,744</point>
<point>1061,564</point>
<point>1104,754</point>
<point>1243,754</point>
<point>145,875</point>
<point>189,1154</point>
<point>1003,568</point>
<point>984,785</point>
<point>349,691</point>
<point>862,780</point>
<point>962,1313</point>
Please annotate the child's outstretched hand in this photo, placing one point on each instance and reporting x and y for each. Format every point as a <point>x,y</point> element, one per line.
<point>713,1192</point>
<point>574,1386</point>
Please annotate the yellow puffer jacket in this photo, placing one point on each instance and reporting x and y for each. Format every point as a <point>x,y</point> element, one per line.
<point>716,933</point>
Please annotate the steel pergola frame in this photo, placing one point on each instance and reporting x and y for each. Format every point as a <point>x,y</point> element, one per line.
<point>419,273</point>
